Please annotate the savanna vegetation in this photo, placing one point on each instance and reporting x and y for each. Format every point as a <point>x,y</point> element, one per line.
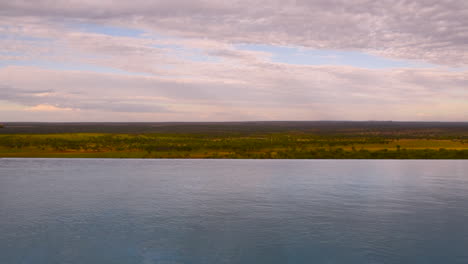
<point>345,140</point>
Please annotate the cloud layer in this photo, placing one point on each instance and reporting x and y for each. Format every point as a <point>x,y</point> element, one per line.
<point>430,30</point>
<point>180,60</point>
<point>281,92</point>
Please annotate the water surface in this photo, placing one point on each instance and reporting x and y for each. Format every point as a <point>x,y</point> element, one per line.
<point>233,211</point>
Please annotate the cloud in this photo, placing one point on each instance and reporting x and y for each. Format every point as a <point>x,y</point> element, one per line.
<point>428,30</point>
<point>269,92</point>
<point>47,108</point>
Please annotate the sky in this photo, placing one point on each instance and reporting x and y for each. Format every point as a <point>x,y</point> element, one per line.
<point>238,60</point>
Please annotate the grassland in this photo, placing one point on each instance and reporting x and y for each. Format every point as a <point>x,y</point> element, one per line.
<point>281,140</point>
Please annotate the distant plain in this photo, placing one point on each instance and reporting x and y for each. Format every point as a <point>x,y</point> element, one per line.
<point>252,140</point>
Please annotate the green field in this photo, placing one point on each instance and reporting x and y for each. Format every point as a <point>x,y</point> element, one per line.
<point>292,144</point>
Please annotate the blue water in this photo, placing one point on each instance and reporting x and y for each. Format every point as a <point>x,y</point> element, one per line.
<point>76,211</point>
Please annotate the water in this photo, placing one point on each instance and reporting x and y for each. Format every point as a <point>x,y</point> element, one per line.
<point>75,211</point>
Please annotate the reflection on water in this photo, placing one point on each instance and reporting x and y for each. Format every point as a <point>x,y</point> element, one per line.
<point>233,211</point>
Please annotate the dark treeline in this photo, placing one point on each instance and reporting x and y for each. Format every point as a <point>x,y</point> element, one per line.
<point>385,129</point>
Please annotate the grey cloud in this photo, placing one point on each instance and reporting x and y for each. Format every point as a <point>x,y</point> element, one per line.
<point>27,97</point>
<point>110,9</point>
<point>69,100</point>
